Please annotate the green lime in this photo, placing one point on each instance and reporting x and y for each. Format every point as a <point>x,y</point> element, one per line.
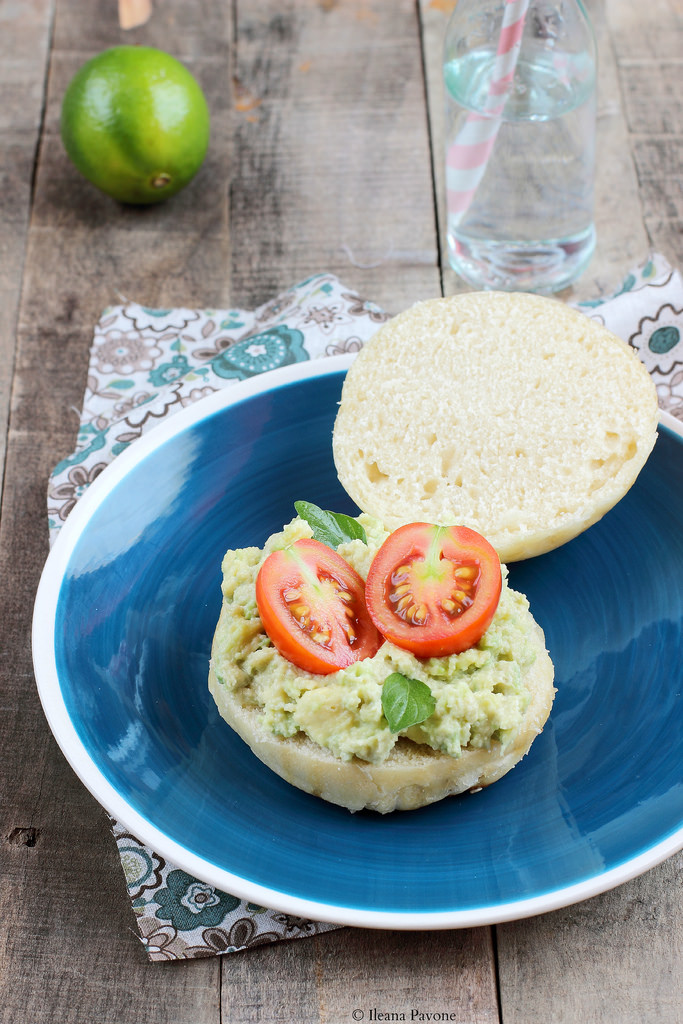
<point>135,123</point>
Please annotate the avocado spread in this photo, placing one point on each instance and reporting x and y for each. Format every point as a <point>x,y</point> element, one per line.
<point>480,696</point>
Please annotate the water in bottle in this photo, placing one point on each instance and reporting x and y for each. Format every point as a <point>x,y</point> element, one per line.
<point>520,147</point>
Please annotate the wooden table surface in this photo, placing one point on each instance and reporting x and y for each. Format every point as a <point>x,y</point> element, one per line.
<point>325,155</point>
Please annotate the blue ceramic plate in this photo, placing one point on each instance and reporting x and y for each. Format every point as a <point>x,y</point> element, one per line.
<point>123,624</point>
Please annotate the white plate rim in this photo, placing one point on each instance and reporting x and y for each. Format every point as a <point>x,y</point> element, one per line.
<point>92,777</point>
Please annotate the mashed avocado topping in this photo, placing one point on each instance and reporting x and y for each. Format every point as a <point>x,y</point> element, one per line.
<point>479,695</point>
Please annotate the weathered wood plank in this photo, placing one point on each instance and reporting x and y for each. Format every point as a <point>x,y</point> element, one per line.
<point>648,44</point>
<point>328,979</point>
<point>651,31</point>
<point>652,96</point>
<point>24,42</point>
<point>666,235</point>
<point>615,959</point>
<point>70,952</point>
<point>658,157</point>
<point>71,283</point>
<point>332,168</point>
<point>187,30</point>
<point>319,160</point>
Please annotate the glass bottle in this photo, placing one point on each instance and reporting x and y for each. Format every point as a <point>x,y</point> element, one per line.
<point>520,142</point>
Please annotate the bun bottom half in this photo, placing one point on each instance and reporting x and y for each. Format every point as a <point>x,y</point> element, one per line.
<point>413,775</point>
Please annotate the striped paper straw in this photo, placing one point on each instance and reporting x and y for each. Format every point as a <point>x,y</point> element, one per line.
<point>468,155</point>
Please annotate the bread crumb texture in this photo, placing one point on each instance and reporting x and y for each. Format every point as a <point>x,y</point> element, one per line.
<point>509,413</point>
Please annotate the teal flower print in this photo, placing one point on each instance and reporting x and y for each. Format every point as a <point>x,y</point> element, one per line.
<point>659,339</point>
<point>627,286</point>
<point>165,373</point>
<point>664,339</point>
<point>188,903</point>
<point>141,867</point>
<point>232,322</point>
<point>279,346</point>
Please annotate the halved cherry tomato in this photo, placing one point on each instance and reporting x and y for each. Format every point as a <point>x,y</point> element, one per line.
<point>433,590</point>
<point>312,605</point>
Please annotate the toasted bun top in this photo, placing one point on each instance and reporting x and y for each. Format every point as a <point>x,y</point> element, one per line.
<point>512,414</point>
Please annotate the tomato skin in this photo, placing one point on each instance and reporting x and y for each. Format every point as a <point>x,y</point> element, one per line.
<point>434,590</point>
<point>312,606</point>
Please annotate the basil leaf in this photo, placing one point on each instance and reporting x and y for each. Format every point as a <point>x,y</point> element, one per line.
<point>331,528</point>
<point>406,701</point>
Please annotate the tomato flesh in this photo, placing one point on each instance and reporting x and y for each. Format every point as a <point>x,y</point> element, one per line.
<point>434,590</point>
<point>312,606</point>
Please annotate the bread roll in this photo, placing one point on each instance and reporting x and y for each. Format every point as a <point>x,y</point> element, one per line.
<point>413,775</point>
<point>512,414</point>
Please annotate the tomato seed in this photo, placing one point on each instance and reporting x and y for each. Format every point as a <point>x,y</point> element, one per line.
<point>417,614</point>
<point>467,572</point>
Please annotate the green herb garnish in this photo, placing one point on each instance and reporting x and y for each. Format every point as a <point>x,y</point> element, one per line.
<point>331,528</point>
<point>406,701</point>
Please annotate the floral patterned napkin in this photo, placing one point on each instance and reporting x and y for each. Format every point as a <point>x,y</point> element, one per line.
<point>647,312</point>
<point>145,365</point>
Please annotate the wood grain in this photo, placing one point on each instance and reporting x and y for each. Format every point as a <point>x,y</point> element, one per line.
<point>332,165</point>
<point>648,51</point>
<point>24,51</point>
<point>336,973</point>
<point>652,33</point>
<point>615,959</point>
<point>200,29</point>
<point>69,949</point>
